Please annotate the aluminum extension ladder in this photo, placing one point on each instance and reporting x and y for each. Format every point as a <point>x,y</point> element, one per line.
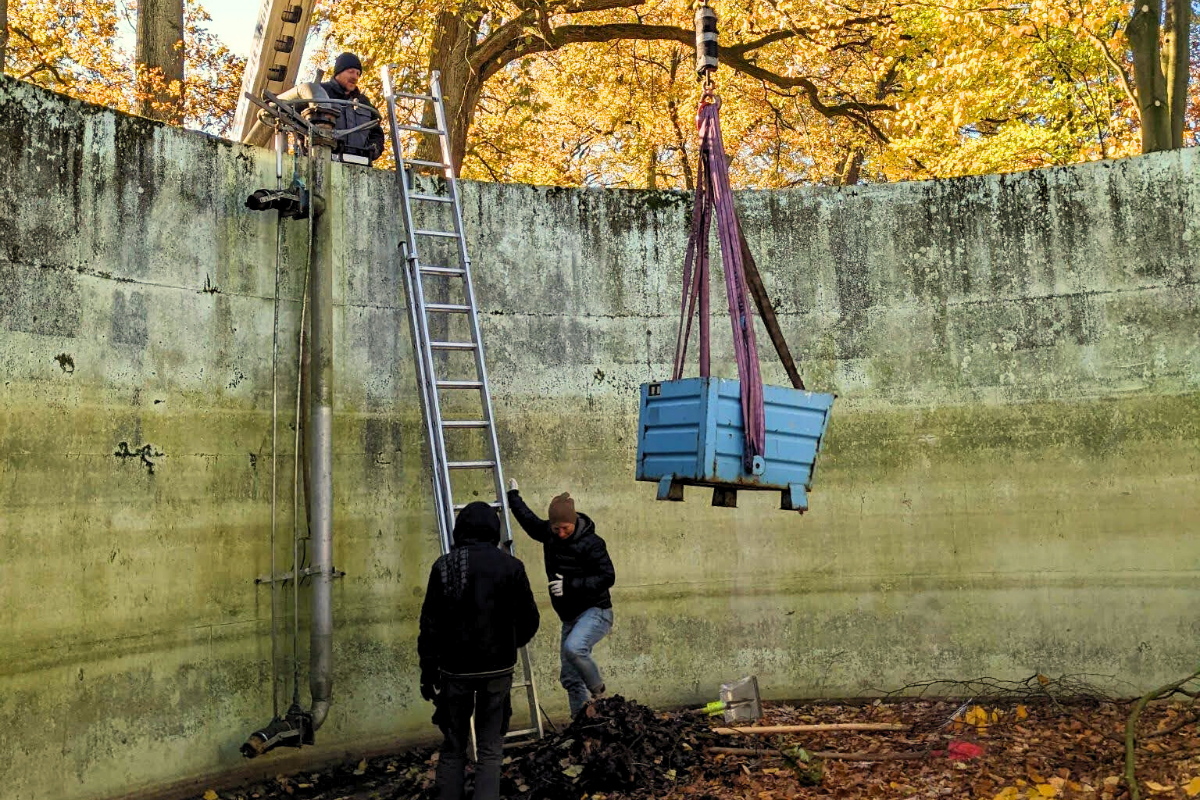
<point>420,314</point>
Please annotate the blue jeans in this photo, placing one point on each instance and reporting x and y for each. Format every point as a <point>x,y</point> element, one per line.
<point>580,676</point>
<point>489,700</point>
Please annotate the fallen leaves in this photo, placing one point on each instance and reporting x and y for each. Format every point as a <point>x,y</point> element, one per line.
<point>622,750</point>
<point>981,719</point>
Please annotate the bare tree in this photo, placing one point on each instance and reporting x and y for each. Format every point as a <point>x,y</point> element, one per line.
<point>160,59</point>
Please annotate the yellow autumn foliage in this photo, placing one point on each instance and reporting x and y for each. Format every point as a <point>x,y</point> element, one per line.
<point>73,47</point>
<point>823,93</point>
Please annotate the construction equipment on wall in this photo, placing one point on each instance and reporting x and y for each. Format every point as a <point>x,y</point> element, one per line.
<point>274,62</point>
<point>436,262</point>
<point>310,124</point>
<point>706,431</point>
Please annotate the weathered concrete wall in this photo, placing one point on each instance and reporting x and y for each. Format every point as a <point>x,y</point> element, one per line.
<point>1009,484</point>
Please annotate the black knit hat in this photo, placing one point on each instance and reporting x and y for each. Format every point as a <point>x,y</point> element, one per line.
<point>346,61</point>
<point>478,522</point>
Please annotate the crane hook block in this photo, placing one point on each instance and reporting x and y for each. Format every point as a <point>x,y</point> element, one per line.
<point>706,41</point>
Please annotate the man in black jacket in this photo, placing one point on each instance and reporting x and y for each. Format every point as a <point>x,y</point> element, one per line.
<point>364,144</point>
<point>580,574</point>
<point>478,611</point>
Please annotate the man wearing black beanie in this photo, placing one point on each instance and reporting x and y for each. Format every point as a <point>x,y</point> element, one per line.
<point>360,147</point>
<point>478,611</point>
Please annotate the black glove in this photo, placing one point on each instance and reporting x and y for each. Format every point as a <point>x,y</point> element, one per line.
<point>429,692</point>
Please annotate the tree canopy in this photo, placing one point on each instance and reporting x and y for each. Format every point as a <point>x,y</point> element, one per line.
<point>76,47</point>
<point>603,92</point>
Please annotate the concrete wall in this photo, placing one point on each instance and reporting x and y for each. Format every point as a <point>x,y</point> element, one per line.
<point>1009,485</point>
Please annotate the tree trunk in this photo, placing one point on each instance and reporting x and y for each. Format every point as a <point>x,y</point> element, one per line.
<point>1176,63</point>
<point>850,169</point>
<point>1153,101</point>
<point>460,87</point>
<point>3,33</point>
<point>160,59</point>
<point>652,168</point>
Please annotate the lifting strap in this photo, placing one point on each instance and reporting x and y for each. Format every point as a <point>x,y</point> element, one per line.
<point>713,196</point>
<point>742,282</point>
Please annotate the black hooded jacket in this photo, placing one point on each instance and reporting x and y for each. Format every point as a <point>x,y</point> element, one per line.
<point>368,142</point>
<point>582,559</point>
<point>478,607</point>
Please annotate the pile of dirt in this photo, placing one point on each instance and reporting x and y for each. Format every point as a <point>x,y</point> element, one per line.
<point>615,746</point>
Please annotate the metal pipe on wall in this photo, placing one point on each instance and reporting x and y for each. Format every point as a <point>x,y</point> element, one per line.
<point>319,430</point>
<point>297,726</point>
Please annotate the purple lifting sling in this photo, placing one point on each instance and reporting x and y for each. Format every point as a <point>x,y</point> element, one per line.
<point>714,194</point>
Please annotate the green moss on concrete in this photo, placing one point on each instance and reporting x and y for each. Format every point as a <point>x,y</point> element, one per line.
<point>1008,484</point>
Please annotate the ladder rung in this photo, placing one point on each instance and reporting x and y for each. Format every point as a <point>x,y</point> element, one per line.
<point>521,685</point>
<point>442,234</point>
<point>422,163</point>
<point>465,423</point>
<point>448,308</point>
<point>460,384</point>
<point>452,345</point>
<point>443,271</point>
<point>432,198</point>
<point>470,464</point>
<point>419,129</point>
<point>461,506</point>
<point>521,732</point>
<point>412,96</point>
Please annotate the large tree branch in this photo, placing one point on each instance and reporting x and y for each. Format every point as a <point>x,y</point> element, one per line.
<point>529,44</point>
<point>1117,67</point>
<point>784,35</point>
<point>762,41</point>
<point>45,64</point>
<point>535,15</point>
<point>584,6</point>
<point>500,40</point>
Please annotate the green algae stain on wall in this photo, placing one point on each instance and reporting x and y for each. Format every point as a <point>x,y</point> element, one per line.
<point>1007,485</point>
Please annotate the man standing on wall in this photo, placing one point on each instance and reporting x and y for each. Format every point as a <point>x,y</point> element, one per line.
<point>362,146</point>
<point>580,574</point>
<point>478,611</point>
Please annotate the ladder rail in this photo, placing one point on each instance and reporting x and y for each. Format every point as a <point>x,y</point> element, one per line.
<point>430,385</point>
<point>417,323</point>
<point>481,367</point>
<point>473,314</point>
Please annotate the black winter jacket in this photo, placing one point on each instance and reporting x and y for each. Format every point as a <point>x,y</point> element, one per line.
<point>582,559</point>
<point>367,142</point>
<point>478,611</point>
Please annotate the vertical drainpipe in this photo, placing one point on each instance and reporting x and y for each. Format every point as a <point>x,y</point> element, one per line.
<point>319,428</point>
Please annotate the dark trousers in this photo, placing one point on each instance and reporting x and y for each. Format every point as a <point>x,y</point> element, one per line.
<point>489,699</point>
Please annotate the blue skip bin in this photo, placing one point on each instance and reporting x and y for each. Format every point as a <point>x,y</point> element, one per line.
<point>690,434</point>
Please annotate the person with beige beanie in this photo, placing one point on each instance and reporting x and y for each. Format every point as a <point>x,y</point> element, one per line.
<point>580,573</point>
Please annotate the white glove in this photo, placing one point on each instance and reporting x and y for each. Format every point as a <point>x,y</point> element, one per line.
<point>556,587</point>
<point>512,484</point>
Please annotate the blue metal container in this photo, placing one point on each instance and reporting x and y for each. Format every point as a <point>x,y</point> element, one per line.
<point>690,434</point>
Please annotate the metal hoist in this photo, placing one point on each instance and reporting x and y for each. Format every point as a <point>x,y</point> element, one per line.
<point>729,435</point>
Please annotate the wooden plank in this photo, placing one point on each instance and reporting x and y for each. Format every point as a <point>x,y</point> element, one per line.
<point>759,292</point>
<point>768,730</point>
